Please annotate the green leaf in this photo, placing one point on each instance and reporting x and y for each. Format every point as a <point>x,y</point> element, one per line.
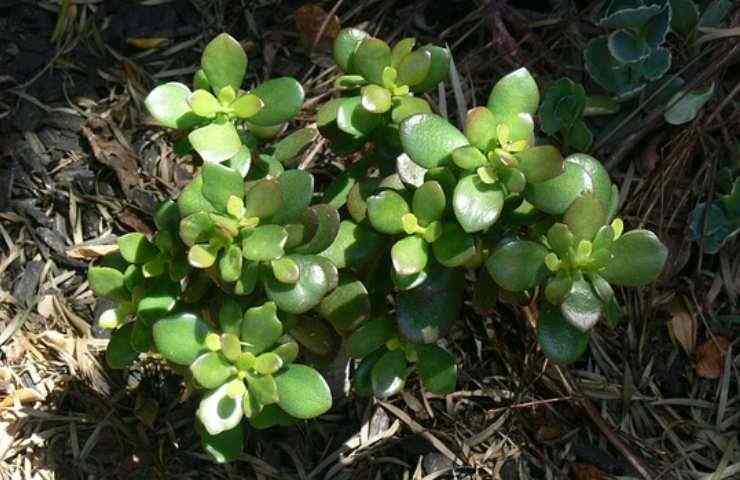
<point>282,97</point>
<point>437,369</point>
<point>354,119</point>
<point>657,27</point>
<point>202,256</point>
<point>303,392</point>
<point>263,388</point>
<point>224,62</point>
<point>314,335</point>
<point>108,283</point>
<point>247,106</point>
<point>715,13</point>
<point>200,80</point>
<point>581,308</point>
<point>230,264</point>
<point>191,199</point>
<point>409,172</point>
<point>600,105</point>
<point>322,225</point>
<point>585,217</point>
<point>629,15</point>
<point>561,239</point>
<point>438,69</point>
<point>347,306</point>
<point>604,68</point>
<point>345,46</point>
<point>685,106</point>
<point>211,370</point>
<point>406,106</point>
<point>375,99</point>
<point>271,416</point>
<point>638,258</point>
<point>119,353</point>
<point>410,255</point>
<point>554,196</point>
<point>218,412</point>
<point>135,248</point>
<point>354,245</point>
<point>370,336</point>
<point>306,293</point>
<point>224,447</point>
<point>454,248</point>
<point>480,128</point>
<point>540,163</point>
<point>169,106</point>
<point>627,47</point>
<point>515,93</point>
<point>285,270</point>
<point>204,104</point>
<point>518,265</point>
<point>248,279</point>
<point>158,300</point>
<point>579,137</point>
<point>220,183</point>
<point>261,328</point>
<point>363,374</point>
<point>167,216</point>
<point>388,376</point>
<point>263,199</point>
<point>414,68</point>
<point>230,316</point>
<point>430,140</point>
<point>287,350</point>
<point>385,210</point>
<point>424,313</point>
<point>181,337</point>
<point>560,341</point>
<point>264,243</point>
<point>477,205</point>
<point>469,157</point>
<point>289,148</point>
<point>216,142</point>
<point>656,64</point>
<point>401,50</point>
<point>428,203</point>
<point>370,58</point>
<point>268,363</point>
<point>196,228</point>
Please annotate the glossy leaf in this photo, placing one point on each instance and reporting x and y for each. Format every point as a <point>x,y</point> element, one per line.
<point>220,183</point>
<point>354,245</point>
<point>585,217</point>
<point>108,283</point>
<point>159,300</point>
<point>285,270</point>
<point>264,243</point>
<point>119,353</point>
<point>515,93</point>
<point>211,370</point>
<point>226,446</point>
<point>581,308</point>
<point>406,106</point>
<point>370,336</point>
<point>306,293</point>
<point>638,258</point>
<point>218,412</point>
<point>289,148</point>
<point>261,328</point>
<point>314,335</point>
<point>430,140</point>
<point>268,363</point>
<point>477,205</point>
<point>204,104</point>
<point>216,142</point>
<point>247,106</point>
<point>414,68</point>
<point>263,388</point>
<point>375,99</point>
<point>424,313</point>
<point>345,46</point>
<point>388,375</point>
<point>322,224</point>
<point>385,210</point>
<point>303,392</point>
<point>540,163</point>
<point>282,97</point>
<point>428,203</point>
<point>469,157</point>
<point>230,264</point>
<point>438,68</point>
<point>560,341</point>
<point>181,337</point>
<point>224,62</point>
<point>685,106</point>
<point>455,247</point>
<point>370,58</point>
<point>169,106</point>
<point>354,119</point>
<point>191,199</point>
<point>347,306</point>
<point>554,196</point>
<point>410,255</point>
<point>437,369</point>
<point>518,265</point>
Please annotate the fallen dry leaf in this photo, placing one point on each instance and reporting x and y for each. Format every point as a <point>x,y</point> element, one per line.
<point>22,395</point>
<point>90,252</point>
<point>309,19</point>
<point>710,357</point>
<point>683,325</point>
<point>584,471</point>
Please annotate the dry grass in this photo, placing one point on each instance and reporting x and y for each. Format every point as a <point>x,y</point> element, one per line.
<point>634,407</point>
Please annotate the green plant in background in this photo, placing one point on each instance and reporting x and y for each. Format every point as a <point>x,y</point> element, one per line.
<point>379,86</point>
<point>564,108</point>
<point>632,55</point>
<point>218,108</point>
<point>722,220</point>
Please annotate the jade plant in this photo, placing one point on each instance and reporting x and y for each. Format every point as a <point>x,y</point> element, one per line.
<point>219,116</point>
<point>379,86</point>
<point>251,272</point>
<point>632,54</point>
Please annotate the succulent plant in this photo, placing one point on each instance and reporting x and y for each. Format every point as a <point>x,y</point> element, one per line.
<point>722,220</point>
<point>216,112</point>
<point>632,55</point>
<point>379,83</point>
